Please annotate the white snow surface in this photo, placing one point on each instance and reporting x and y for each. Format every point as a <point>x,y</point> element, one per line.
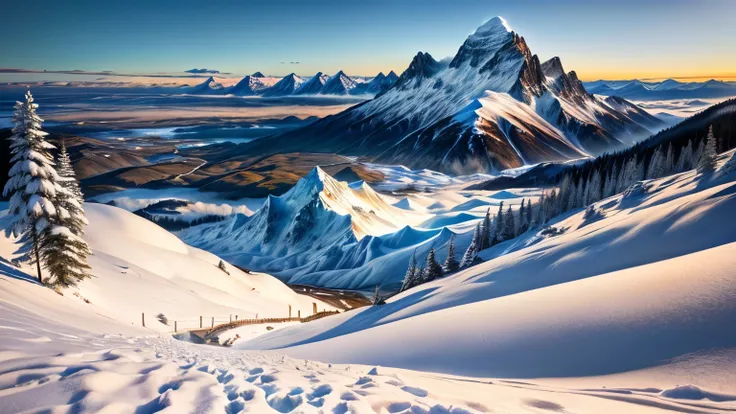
<point>651,281</point>
<point>139,267</point>
<point>552,325</point>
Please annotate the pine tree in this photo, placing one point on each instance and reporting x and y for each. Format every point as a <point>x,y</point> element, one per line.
<point>669,161</point>
<point>656,165</point>
<point>65,255</point>
<point>594,188</point>
<point>529,214</point>
<point>565,194</point>
<point>472,250</point>
<point>451,263</point>
<point>32,186</point>
<point>610,186</point>
<point>685,161</point>
<point>578,199</point>
<point>523,224</point>
<point>411,273</point>
<point>509,225</point>
<point>485,231</point>
<point>586,191</point>
<point>707,160</point>
<point>432,270</point>
<point>66,172</point>
<point>497,225</point>
<point>552,210</point>
<point>540,213</point>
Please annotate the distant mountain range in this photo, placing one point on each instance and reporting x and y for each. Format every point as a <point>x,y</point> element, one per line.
<point>667,89</point>
<point>291,84</point>
<point>494,106</point>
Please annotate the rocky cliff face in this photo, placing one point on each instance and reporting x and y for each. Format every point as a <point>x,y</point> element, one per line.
<point>495,106</point>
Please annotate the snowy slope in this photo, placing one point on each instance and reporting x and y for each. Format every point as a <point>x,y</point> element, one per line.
<point>320,224</point>
<point>313,85</point>
<point>286,86</point>
<point>651,280</point>
<point>55,367</point>
<point>328,233</point>
<point>141,268</point>
<point>338,84</point>
<point>209,86</point>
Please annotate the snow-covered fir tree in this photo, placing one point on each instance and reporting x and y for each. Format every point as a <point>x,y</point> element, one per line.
<point>65,256</point>
<point>707,160</point>
<point>610,186</point>
<point>509,225</point>
<point>451,263</point>
<point>472,250</point>
<point>66,172</point>
<point>64,251</point>
<point>685,161</point>
<point>669,161</point>
<point>432,270</point>
<point>32,186</point>
<point>485,231</point>
<point>540,213</point>
<point>496,236</point>
<point>656,165</point>
<point>411,273</point>
<point>529,214</point>
<point>523,223</point>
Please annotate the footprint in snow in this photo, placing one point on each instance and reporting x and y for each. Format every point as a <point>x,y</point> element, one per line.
<point>415,391</point>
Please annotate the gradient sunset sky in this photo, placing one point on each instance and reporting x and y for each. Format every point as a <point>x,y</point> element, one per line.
<point>621,39</point>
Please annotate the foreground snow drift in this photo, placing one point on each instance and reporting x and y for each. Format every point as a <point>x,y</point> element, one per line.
<point>52,367</point>
<point>652,279</point>
<point>141,268</point>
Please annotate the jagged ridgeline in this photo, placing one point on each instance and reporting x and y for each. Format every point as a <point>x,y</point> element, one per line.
<point>495,106</point>
<point>323,228</point>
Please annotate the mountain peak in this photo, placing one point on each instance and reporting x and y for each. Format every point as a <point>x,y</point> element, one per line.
<point>422,66</point>
<point>483,44</point>
<point>553,68</point>
<point>496,25</point>
<point>258,75</point>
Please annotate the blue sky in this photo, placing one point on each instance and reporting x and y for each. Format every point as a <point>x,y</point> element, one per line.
<point>598,39</point>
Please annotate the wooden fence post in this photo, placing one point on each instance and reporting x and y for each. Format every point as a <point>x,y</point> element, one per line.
<point>213,321</point>
<point>299,314</point>
<point>200,321</point>
<point>175,330</point>
<point>236,317</point>
<point>314,308</point>
<point>143,319</point>
<point>290,311</point>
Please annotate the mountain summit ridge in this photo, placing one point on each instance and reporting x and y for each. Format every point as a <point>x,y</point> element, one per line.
<point>423,120</point>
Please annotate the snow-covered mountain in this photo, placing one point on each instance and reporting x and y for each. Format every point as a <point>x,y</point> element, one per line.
<point>208,87</point>
<point>248,86</point>
<point>286,86</point>
<point>320,224</point>
<point>313,86</point>
<point>428,117</point>
<point>648,281</point>
<point>378,84</point>
<point>667,89</point>
<point>339,84</point>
